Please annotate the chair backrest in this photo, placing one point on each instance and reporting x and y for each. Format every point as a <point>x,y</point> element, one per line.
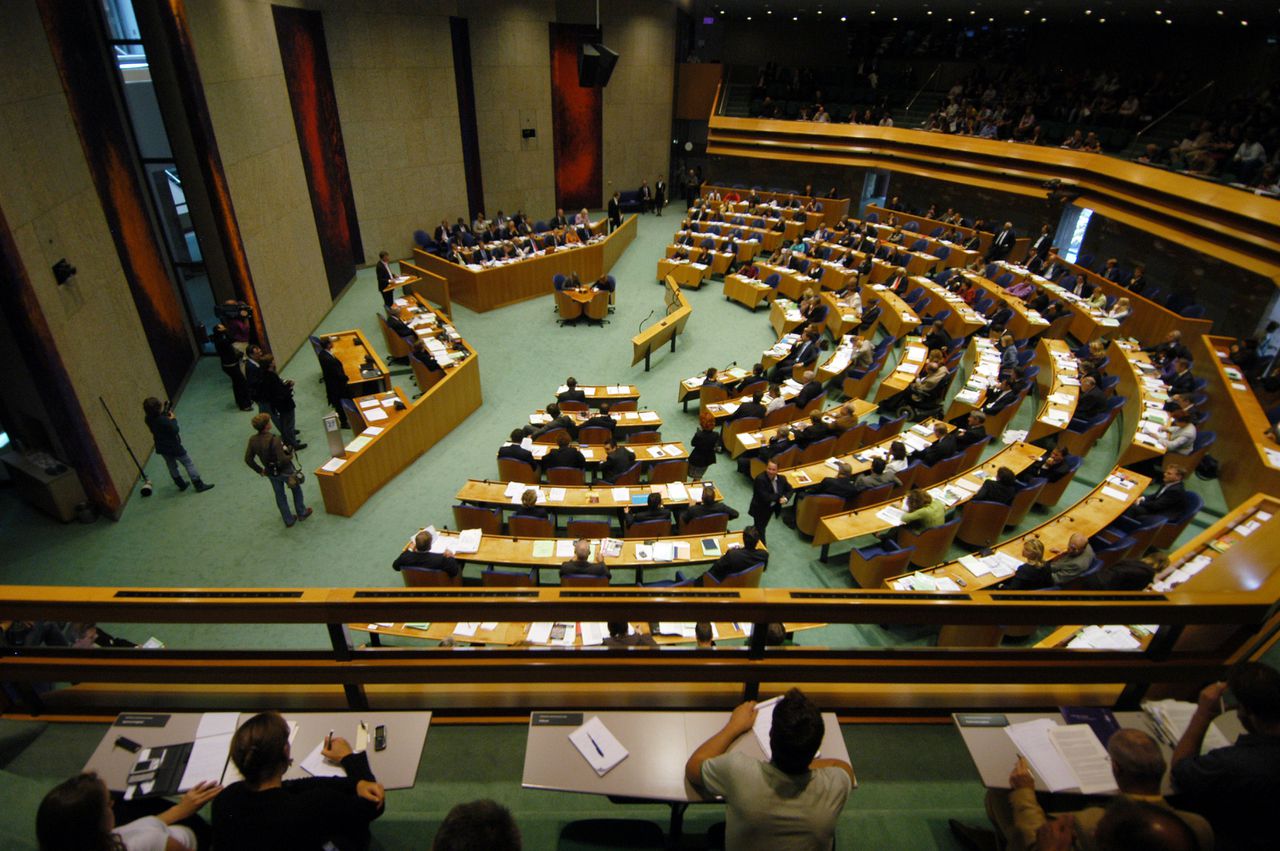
<point>981,522</point>
<point>773,280</point>
<point>644,438</point>
<point>873,496</point>
<point>849,439</point>
<point>568,308</point>
<point>630,477</point>
<point>739,426</point>
<point>817,450</point>
<point>1078,582</point>
<point>969,457</point>
<point>1023,500</point>
<point>709,395</point>
<point>624,405</point>
<point>784,414</point>
<point>573,406</point>
<point>671,470</point>
<point>885,429</point>
<point>708,524</point>
<point>582,581</point>
<point>1144,534</point>
<point>594,435</point>
<point>648,529</point>
<point>557,282</point>
<point>1052,491</point>
<point>940,472</point>
<point>588,528</point>
<point>530,527</point>
<point>515,470</point>
<point>487,520</point>
<point>1167,534</point>
<point>931,545</point>
<point>888,560</point>
<point>426,577</point>
<point>504,579</point>
<point>566,476</point>
<point>813,508</point>
<point>748,578</point>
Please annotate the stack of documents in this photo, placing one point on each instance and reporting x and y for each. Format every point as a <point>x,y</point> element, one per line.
<point>1110,637</point>
<point>1064,757</point>
<point>1170,719</point>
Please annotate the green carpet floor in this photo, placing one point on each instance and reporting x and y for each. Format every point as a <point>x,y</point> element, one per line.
<point>913,778</point>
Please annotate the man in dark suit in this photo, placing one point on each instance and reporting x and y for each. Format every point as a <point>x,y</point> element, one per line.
<point>1002,489</point>
<point>659,195</point>
<point>558,420</point>
<point>811,390</point>
<point>559,220</point>
<point>646,197</point>
<point>1182,381</point>
<point>617,460</point>
<point>974,430</point>
<point>944,446</point>
<point>1052,467</point>
<point>443,233</point>
<point>516,451</point>
<point>1112,271</point>
<point>420,556</point>
<point>769,493</point>
<point>740,558</point>
<point>1002,244</point>
<point>1081,286</point>
<point>653,510</point>
<point>999,397</point>
<point>581,564</point>
<point>1040,247</point>
<point>571,392</point>
<point>564,455</point>
<point>384,275</point>
<point>812,433</point>
<point>708,505</point>
<point>753,408</point>
<point>600,420</point>
<point>803,353</point>
<point>1169,499</point>
<point>336,386</point>
<point>1138,282</point>
<point>615,212</point>
<point>1170,349</point>
<point>841,484</point>
<point>1092,400</point>
<point>398,327</point>
<point>1054,268</point>
<point>938,338</point>
<point>899,283</point>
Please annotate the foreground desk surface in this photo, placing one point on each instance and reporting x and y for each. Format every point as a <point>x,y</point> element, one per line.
<point>994,753</point>
<point>658,745</point>
<point>396,767</point>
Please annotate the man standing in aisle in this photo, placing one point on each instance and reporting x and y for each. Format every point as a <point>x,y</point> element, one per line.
<point>659,196</point>
<point>164,428</point>
<point>384,278</point>
<point>336,385</point>
<point>646,197</point>
<point>615,212</point>
<point>1002,244</point>
<point>268,456</point>
<point>769,493</point>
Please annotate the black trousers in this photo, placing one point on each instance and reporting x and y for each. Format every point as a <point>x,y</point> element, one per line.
<point>239,386</point>
<point>761,520</point>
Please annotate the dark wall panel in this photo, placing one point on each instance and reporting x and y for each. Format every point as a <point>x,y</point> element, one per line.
<point>576,121</point>
<point>77,40</point>
<point>300,33</point>
<point>464,85</point>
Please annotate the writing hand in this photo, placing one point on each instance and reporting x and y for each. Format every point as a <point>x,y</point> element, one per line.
<point>336,749</point>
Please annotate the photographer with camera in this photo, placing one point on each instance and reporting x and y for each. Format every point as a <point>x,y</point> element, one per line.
<point>267,456</point>
<point>278,394</point>
<point>229,357</point>
<point>164,429</point>
<point>237,317</point>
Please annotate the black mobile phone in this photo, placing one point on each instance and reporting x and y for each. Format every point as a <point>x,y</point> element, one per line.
<point>380,737</point>
<point>128,744</point>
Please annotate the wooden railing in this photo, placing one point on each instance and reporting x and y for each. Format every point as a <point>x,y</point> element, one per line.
<point>146,677</point>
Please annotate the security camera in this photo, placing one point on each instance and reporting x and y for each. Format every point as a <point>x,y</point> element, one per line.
<point>63,271</point>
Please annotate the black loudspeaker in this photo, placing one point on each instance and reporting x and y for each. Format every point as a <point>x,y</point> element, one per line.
<point>595,65</point>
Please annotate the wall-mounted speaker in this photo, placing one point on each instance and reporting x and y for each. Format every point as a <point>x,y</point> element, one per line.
<point>595,64</point>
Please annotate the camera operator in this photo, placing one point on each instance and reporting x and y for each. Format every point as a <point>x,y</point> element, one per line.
<point>164,428</point>
<point>238,318</point>
<point>229,357</point>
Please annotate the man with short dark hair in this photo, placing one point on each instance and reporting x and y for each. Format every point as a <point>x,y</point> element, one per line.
<point>601,420</point>
<point>652,510</point>
<point>770,492</point>
<point>738,559</point>
<point>1234,787</point>
<point>571,392</point>
<point>420,556</point>
<point>878,475</point>
<point>622,635</point>
<point>709,504</point>
<point>617,460</point>
<point>384,278</point>
<point>516,451</point>
<point>790,802</point>
<point>564,455</point>
<point>478,824</point>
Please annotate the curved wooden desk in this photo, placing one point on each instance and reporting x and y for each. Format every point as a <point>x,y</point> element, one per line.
<point>1250,459</point>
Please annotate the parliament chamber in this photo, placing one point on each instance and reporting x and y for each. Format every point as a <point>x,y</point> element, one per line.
<point>888,412</point>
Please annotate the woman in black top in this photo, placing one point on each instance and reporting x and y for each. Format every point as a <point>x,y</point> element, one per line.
<point>265,811</point>
<point>705,442</point>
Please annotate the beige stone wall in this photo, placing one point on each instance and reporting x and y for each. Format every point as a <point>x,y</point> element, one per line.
<point>637,101</point>
<point>53,211</point>
<point>511,64</point>
<point>239,60</point>
<point>393,76</point>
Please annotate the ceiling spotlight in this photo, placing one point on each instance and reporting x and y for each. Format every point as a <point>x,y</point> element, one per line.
<point>991,20</point>
<point>1088,11</point>
<point>1042,20</point>
<point>844,18</point>
<point>748,17</point>
<point>1220,12</point>
<point>1102,20</point>
<point>1244,23</point>
<point>1026,11</point>
<point>930,12</point>
<point>1168,20</point>
<point>819,11</point>
<point>795,17</point>
<point>1159,12</point>
<point>895,17</point>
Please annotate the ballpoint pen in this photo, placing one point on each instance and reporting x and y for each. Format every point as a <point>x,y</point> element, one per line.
<point>595,744</point>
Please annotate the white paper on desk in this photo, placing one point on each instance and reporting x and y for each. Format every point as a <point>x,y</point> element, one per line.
<point>677,492</point>
<point>375,415</point>
<point>598,746</point>
<point>764,724</point>
<point>681,550</point>
<point>468,541</point>
<point>649,416</point>
<point>466,629</point>
<point>373,431</point>
<point>593,633</point>
<point>514,490</point>
<point>684,630</point>
<point>217,724</point>
<point>621,494</point>
<point>663,551</point>
<point>1078,745</point>
<point>540,632</point>
<point>358,443</point>
<point>208,759</point>
<point>333,465</point>
<point>644,552</point>
<point>368,403</point>
<point>564,548</point>
<point>1032,740</point>
<point>556,495</point>
<point>1114,494</point>
<point>890,514</point>
<point>672,450</point>
<point>317,766</point>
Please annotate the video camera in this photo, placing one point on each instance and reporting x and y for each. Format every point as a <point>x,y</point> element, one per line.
<point>230,310</point>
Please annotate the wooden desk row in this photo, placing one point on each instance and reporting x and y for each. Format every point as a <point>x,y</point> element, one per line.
<point>666,329</point>
<point>688,273</point>
<point>1025,322</point>
<point>764,238</point>
<point>1145,396</point>
<point>492,634</point>
<point>749,441</point>
<point>486,289</point>
<point>914,357</point>
<point>624,421</point>
<point>1250,458</point>
<point>611,393</point>
<point>410,430</point>
<point>578,499</point>
<point>897,318</point>
<point>1087,322</point>
<point>833,209</point>
<point>872,520</point>
<point>646,453</point>
<point>1059,380</point>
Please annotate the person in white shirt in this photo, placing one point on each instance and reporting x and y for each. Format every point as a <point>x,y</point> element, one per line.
<point>1248,158</point>
<point>77,814</point>
<point>1120,310</point>
<point>583,217</point>
<point>775,399</point>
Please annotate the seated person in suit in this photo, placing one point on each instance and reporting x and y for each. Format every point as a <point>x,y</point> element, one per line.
<point>999,396</point>
<point>923,511</point>
<point>621,635</point>
<point>1128,574</point>
<point>738,559</point>
<point>601,420</point>
<point>558,420</point>
<point>708,505</point>
<point>1062,568</point>
<point>515,450</point>
<point>529,506</point>
<point>753,408</point>
<point>617,460</point>
<point>842,484</point>
<point>938,338</point>
<point>581,564</point>
<point>1091,402</point>
<point>420,555</point>
<point>816,430</point>
<point>1002,489</point>
<point>398,327</point>
<point>1052,466</point>
<point>804,353</point>
<point>1170,349</point>
<point>843,417</point>
<point>423,356</point>
<point>973,430</point>
<point>1182,381</point>
<point>1180,436</point>
<point>922,389</point>
<point>571,392</point>
<point>709,379</point>
<point>811,390</point>
<point>653,510</point>
<point>879,474</point>
<point>564,455</point>
<point>605,284</point>
<point>1170,498</point>
<point>944,445</point>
